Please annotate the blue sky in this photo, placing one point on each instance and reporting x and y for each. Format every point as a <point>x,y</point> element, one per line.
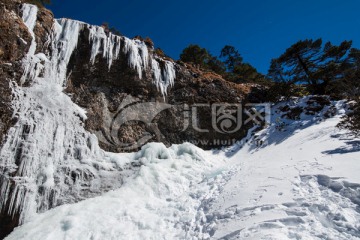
<point>259,29</point>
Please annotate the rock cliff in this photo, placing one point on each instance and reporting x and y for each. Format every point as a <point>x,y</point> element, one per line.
<point>72,93</point>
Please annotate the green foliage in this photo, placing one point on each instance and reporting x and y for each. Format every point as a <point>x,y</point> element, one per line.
<point>195,54</point>
<point>236,70</point>
<point>202,57</point>
<point>313,63</point>
<point>278,91</point>
<point>247,73</point>
<point>216,65</point>
<point>352,120</point>
<point>349,88</point>
<point>232,57</point>
<point>323,69</point>
<point>229,64</point>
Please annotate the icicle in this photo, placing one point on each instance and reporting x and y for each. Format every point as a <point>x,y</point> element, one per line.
<point>66,36</point>
<point>98,39</point>
<point>29,15</point>
<point>4,193</point>
<point>144,54</point>
<point>134,58</point>
<point>96,36</point>
<point>29,18</point>
<point>169,73</point>
<point>163,79</point>
<point>118,46</point>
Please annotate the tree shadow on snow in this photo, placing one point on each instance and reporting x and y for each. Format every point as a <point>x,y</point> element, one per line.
<point>351,146</point>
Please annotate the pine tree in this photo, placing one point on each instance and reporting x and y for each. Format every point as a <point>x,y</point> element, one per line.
<point>231,56</point>
<point>195,54</point>
<point>310,62</point>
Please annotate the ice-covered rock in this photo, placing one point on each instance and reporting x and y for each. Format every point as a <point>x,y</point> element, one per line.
<point>48,158</point>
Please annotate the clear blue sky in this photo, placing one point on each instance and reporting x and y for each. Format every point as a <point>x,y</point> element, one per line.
<point>259,29</point>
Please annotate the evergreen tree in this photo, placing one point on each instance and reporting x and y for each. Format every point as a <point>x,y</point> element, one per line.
<point>196,54</point>
<point>216,65</point>
<point>349,88</point>
<point>247,73</point>
<point>310,62</point>
<point>230,68</point>
<point>231,56</point>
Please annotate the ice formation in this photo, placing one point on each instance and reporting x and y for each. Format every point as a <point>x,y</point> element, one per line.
<point>163,78</point>
<point>30,64</point>
<point>48,158</point>
<point>159,201</point>
<point>98,38</point>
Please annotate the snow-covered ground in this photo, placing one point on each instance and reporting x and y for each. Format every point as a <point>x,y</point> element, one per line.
<point>300,184</point>
<point>296,179</point>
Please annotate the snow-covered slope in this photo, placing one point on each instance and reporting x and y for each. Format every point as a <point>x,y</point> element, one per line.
<point>296,179</point>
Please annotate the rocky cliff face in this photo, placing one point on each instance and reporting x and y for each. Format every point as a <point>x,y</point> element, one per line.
<point>70,90</point>
<point>95,84</point>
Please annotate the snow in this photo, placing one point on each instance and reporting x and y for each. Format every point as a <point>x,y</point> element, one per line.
<point>298,183</point>
<point>296,179</point>
<point>48,158</point>
<point>48,143</point>
<point>158,202</point>
<point>278,190</point>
